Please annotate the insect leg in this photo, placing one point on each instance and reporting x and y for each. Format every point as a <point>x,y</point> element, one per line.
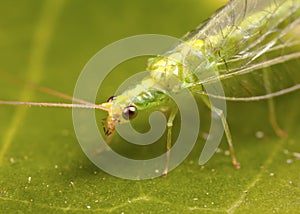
<point>220,114</point>
<point>171,118</point>
<point>272,115</point>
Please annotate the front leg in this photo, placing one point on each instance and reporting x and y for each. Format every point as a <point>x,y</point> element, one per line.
<point>272,115</point>
<point>171,118</point>
<point>221,115</point>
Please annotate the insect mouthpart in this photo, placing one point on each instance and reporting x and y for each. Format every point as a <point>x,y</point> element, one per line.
<point>106,130</point>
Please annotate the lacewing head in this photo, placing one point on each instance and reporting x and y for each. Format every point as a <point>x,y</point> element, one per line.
<point>119,111</point>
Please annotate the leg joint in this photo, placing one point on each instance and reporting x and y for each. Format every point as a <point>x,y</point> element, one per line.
<point>219,112</point>
<point>169,124</point>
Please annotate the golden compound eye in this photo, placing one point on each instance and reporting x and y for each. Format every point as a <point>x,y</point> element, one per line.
<point>129,112</point>
<point>111,99</point>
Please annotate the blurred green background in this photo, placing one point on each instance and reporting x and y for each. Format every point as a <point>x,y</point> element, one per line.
<point>42,167</point>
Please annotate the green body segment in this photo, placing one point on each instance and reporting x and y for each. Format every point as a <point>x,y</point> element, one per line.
<point>245,34</point>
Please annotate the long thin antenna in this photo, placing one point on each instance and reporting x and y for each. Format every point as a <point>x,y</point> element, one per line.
<point>57,93</point>
<point>44,89</point>
<point>64,105</point>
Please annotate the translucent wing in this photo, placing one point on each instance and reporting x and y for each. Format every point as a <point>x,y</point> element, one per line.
<point>254,47</point>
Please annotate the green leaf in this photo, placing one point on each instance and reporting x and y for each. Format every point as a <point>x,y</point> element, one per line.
<point>42,167</point>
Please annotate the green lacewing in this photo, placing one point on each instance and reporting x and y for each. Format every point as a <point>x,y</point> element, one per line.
<point>247,44</point>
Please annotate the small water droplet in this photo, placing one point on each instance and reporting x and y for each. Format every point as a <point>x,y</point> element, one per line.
<point>296,155</point>
<point>218,150</point>
<point>259,134</point>
<point>11,160</point>
<point>286,152</point>
<point>205,136</point>
<point>227,152</point>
